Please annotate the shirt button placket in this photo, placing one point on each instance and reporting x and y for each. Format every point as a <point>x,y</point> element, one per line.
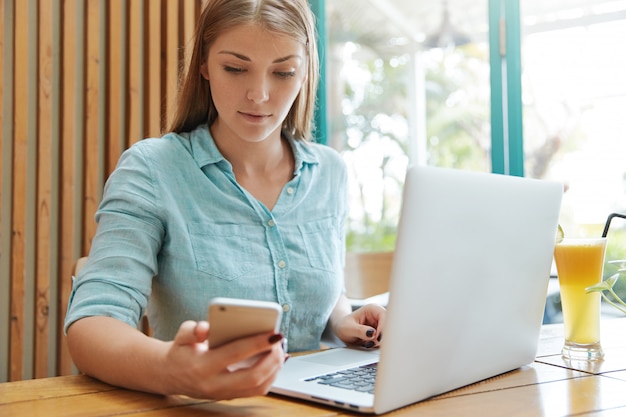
<point>277,248</point>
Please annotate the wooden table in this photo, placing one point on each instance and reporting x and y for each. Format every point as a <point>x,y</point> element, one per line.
<point>547,387</point>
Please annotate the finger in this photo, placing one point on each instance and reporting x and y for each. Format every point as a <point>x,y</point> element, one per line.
<point>372,314</point>
<point>257,379</point>
<point>224,383</point>
<point>369,337</point>
<point>201,331</point>
<point>247,347</point>
<point>366,327</point>
<point>253,380</point>
<point>186,333</point>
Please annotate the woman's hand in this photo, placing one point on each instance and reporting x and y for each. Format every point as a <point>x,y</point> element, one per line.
<point>119,354</point>
<point>362,327</point>
<point>198,371</point>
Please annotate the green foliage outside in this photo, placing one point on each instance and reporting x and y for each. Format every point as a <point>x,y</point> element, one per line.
<point>375,113</point>
<point>615,252</point>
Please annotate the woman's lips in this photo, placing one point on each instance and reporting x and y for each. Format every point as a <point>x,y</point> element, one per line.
<point>254,117</point>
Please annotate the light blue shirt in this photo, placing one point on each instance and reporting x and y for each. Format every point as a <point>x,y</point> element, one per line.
<point>175,229</point>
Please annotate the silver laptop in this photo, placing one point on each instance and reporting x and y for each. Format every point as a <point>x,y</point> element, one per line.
<point>467,293</point>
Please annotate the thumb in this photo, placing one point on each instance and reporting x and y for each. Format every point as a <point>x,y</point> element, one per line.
<point>191,332</point>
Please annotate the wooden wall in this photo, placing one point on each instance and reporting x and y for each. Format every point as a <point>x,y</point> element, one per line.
<point>80,80</point>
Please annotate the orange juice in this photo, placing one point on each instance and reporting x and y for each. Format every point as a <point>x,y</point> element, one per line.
<point>579,264</point>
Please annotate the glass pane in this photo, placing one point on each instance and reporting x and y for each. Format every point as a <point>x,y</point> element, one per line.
<point>408,83</point>
<point>574,95</point>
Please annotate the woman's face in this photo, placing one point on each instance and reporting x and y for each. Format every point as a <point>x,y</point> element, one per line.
<point>255,76</point>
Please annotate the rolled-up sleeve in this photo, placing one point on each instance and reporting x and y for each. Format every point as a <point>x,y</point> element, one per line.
<point>117,279</point>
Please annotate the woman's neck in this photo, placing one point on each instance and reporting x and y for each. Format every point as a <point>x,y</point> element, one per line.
<point>262,168</point>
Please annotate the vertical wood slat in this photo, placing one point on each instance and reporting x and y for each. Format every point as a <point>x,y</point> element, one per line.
<point>134,52</point>
<point>103,48</point>
<point>89,112</point>
<point>135,42</point>
<point>78,126</point>
<point>125,48</point>
<point>43,170</point>
<point>32,144</point>
<point>115,33</point>
<point>173,57</point>
<point>67,244</point>
<point>154,97</point>
<point>54,310</point>
<point>20,133</point>
<point>80,80</point>
<point>6,190</point>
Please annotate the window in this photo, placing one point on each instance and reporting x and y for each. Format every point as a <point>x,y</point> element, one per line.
<point>552,106</point>
<point>408,83</point>
<point>396,97</point>
<point>574,94</point>
<point>574,101</point>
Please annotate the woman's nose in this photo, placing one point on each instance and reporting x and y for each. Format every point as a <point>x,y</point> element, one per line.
<point>258,91</point>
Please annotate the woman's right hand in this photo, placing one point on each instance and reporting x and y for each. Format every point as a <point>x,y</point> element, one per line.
<point>193,369</point>
<point>119,354</point>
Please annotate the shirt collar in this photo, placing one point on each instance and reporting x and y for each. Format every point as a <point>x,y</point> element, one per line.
<point>205,152</point>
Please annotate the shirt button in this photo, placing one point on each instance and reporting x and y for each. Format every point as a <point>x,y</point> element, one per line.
<point>290,190</point>
<point>282,264</point>
<point>286,308</point>
<point>271,223</point>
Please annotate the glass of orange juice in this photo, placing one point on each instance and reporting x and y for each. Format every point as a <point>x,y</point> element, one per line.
<point>580,264</point>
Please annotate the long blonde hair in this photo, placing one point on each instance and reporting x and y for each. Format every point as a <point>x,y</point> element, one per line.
<point>290,17</point>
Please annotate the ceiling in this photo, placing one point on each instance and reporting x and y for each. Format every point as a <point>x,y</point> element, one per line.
<point>403,22</point>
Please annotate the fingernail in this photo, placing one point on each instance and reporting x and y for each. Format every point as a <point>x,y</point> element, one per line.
<point>369,333</point>
<point>286,357</point>
<point>380,337</point>
<point>275,338</point>
<point>368,344</point>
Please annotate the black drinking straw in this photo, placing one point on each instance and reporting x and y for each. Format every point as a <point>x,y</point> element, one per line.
<point>608,222</point>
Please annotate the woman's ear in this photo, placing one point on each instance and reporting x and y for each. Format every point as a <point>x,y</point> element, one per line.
<point>204,70</point>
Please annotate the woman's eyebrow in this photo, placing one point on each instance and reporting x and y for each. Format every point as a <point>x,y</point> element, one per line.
<point>245,58</point>
<point>286,58</point>
<point>235,54</point>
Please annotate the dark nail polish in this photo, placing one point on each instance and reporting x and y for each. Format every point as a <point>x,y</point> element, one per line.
<point>275,338</point>
<point>380,337</point>
<point>368,344</point>
<point>369,333</point>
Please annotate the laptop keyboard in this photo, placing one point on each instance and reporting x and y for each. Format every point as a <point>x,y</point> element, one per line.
<point>361,378</point>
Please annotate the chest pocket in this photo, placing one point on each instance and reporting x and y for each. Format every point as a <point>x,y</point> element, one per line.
<point>221,250</point>
<point>321,240</point>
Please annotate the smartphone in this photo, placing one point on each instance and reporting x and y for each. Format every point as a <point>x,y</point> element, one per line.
<point>234,318</point>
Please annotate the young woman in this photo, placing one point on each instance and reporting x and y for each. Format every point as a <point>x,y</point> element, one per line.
<point>234,202</point>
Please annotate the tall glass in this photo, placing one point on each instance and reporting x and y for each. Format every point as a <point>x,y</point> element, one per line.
<point>580,263</point>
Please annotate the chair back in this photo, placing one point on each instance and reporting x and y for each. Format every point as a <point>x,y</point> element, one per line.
<point>367,273</point>
<point>78,265</point>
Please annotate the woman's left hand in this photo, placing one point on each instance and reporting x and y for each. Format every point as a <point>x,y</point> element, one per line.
<point>362,327</point>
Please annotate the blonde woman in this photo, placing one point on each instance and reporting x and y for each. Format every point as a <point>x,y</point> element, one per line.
<point>235,201</point>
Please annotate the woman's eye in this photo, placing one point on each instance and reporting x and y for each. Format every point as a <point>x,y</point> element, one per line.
<point>233,69</point>
<point>285,74</point>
